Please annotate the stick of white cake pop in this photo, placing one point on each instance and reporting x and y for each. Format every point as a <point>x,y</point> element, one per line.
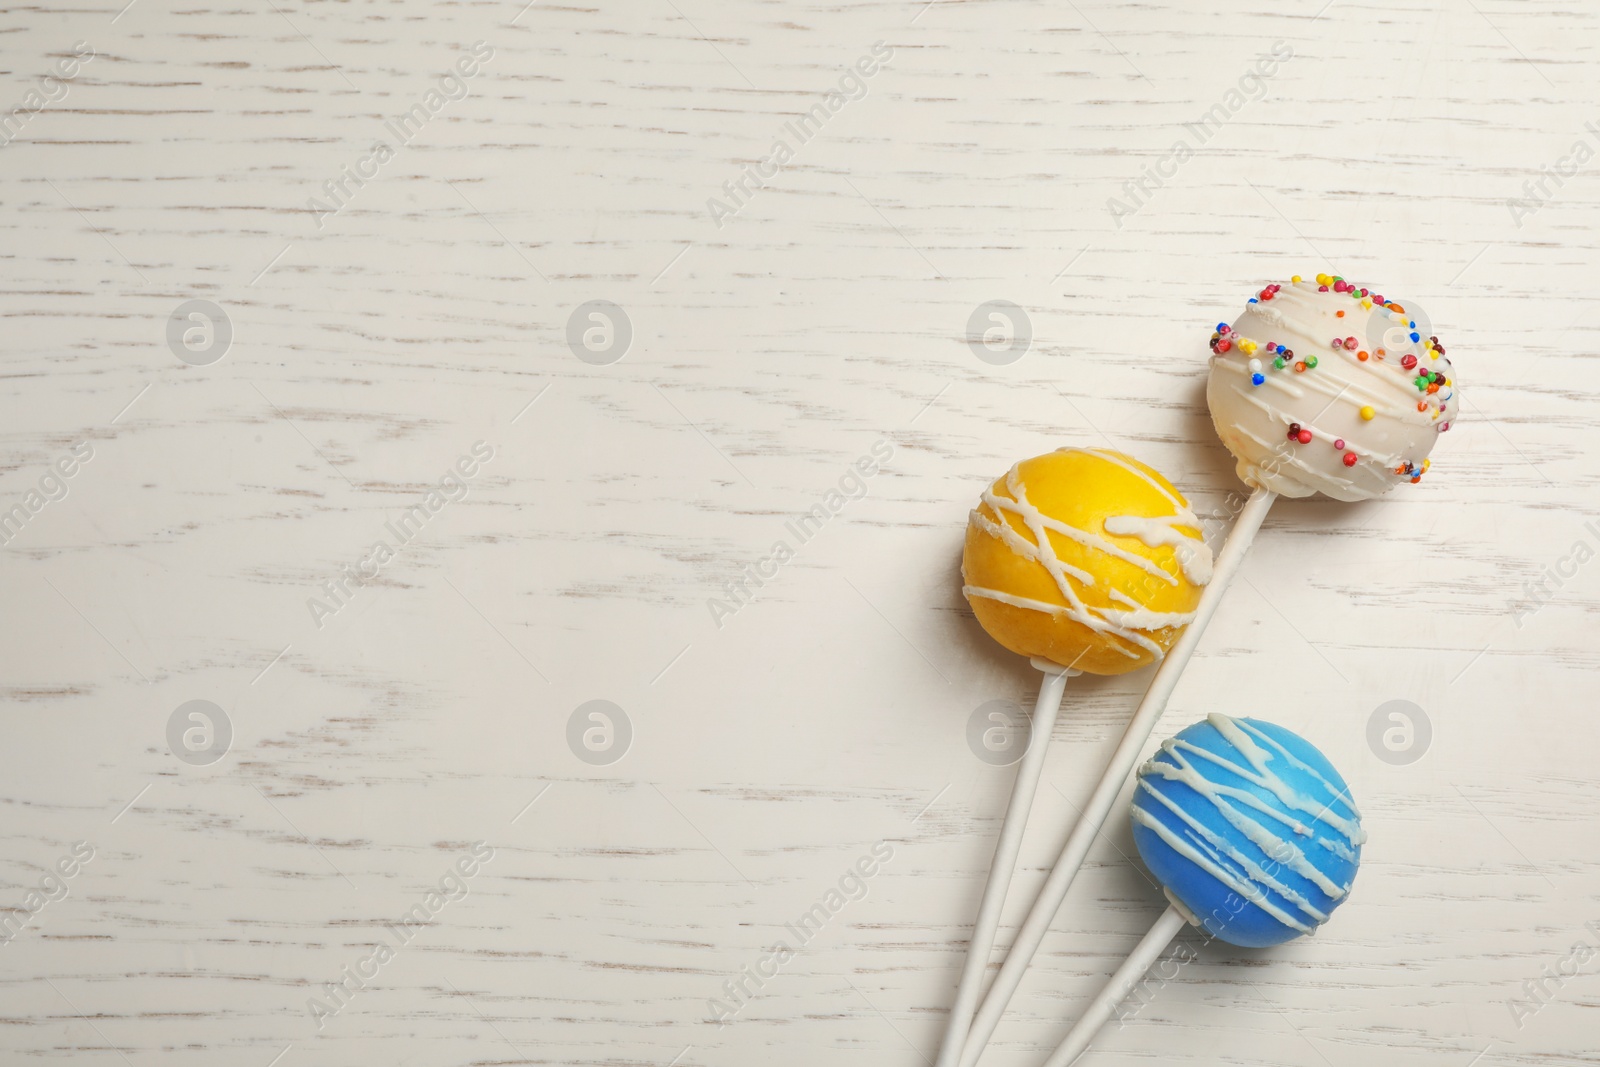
<point>1274,868</point>
<point>1045,709</point>
<point>1094,814</point>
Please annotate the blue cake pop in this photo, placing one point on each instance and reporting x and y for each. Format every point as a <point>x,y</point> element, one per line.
<point>1248,827</point>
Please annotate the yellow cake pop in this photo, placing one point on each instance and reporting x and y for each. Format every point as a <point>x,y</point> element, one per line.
<point>1086,558</point>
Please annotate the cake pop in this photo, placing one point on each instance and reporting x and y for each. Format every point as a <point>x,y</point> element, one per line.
<point>1301,415</point>
<point>1327,388</point>
<point>1082,560</point>
<point>1253,835</point>
<point>1084,557</point>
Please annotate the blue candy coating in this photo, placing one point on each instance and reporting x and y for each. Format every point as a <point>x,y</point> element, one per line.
<point>1249,827</point>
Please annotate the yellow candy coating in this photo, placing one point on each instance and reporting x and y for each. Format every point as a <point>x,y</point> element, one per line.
<point>1084,557</point>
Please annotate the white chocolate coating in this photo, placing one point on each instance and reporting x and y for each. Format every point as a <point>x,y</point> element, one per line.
<point>1328,399</point>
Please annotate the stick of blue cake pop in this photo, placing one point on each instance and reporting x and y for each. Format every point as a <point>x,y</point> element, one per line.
<point>1252,833</point>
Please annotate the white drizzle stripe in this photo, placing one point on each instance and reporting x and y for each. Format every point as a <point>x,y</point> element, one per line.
<point>1253,818</point>
<point>1352,830</point>
<point>1254,884</point>
<point>1041,552</point>
<point>1244,737</point>
<point>1116,460</point>
<point>1282,459</point>
<point>1158,619</point>
<point>1145,619</point>
<point>1023,547</point>
<point>1307,301</point>
<point>1193,554</point>
<point>1109,630</point>
<point>1388,461</point>
<point>1035,519</point>
<point>1254,829</point>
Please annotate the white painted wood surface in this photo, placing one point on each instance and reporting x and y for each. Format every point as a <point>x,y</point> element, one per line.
<point>768,354</point>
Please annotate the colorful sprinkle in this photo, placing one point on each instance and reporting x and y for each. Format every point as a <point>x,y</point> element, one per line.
<point>1349,459</point>
<point>1368,412</point>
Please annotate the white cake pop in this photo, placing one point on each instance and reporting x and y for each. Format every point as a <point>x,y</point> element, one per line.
<point>1325,387</point>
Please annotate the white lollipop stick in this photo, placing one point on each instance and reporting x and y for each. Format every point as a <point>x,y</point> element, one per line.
<point>1045,708</point>
<point>1116,991</point>
<point>1123,761</point>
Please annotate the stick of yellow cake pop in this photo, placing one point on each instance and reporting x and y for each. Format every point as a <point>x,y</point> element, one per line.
<point>1350,423</point>
<point>1004,863</point>
<point>1082,560</point>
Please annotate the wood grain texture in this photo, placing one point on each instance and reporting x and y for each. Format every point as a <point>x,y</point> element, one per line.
<point>772,752</point>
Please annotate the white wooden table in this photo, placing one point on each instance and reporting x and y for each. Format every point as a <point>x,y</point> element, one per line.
<point>379,326</point>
